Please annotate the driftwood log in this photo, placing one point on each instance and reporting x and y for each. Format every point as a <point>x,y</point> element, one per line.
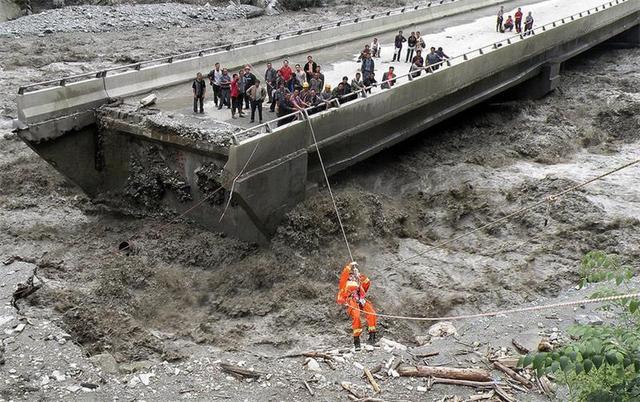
<point>237,370</point>
<point>478,375</point>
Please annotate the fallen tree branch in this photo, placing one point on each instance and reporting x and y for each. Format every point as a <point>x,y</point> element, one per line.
<point>24,290</point>
<point>317,355</point>
<point>513,374</point>
<point>481,397</point>
<point>466,383</point>
<point>237,370</point>
<point>347,387</point>
<point>520,347</point>
<point>503,394</point>
<point>478,375</point>
<point>306,384</point>
<point>427,354</point>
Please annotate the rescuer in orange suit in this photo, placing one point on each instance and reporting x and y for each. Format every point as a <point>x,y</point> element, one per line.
<point>352,289</point>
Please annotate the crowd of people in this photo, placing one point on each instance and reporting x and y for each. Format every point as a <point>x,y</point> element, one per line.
<point>287,90</point>
<point>511,23</point>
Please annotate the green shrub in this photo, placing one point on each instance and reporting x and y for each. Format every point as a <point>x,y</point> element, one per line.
<point>601,363</point>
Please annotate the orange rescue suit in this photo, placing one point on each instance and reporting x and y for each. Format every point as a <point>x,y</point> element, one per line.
<point>351,293</point>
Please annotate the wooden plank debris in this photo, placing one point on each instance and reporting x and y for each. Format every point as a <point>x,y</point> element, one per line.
<point>372,381</point>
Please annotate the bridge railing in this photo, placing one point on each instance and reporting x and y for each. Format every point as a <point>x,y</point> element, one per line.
<point>431,70</point>
<point>220,48</point>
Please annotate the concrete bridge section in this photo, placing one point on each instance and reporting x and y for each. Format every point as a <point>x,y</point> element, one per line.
<point>129,155</point>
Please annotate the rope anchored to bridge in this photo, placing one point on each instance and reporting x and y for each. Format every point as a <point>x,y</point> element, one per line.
<point>326,178</point>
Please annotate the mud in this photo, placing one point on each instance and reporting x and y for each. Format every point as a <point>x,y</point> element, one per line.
<point>150,179</point>
<point>190,296</point>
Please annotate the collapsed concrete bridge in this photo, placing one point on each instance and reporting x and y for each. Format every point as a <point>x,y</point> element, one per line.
<point>124,154</point>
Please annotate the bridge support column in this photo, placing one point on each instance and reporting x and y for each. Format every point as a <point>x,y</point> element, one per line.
<point>545,82</point>
<point>628,39</point>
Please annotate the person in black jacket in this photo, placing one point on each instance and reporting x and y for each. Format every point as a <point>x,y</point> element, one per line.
<point>411,46</point>
<point>398,41</point>
<point>310,68</point>
<point>246,81</point>
<point>199,91</point>
<point>285,108</point>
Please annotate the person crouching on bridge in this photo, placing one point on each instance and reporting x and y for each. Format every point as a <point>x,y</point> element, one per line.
<point>199,91</point>
<point>433,60</point>
<point>508,24</point>
<point>352,289</point>
<point>285,108</point>
<point>388,79</point>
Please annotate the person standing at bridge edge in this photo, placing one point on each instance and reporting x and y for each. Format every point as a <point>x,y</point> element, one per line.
<point>214,79</point>
<point>518,20</point>
<point>246,81</point>
<point>411,46</point>
<point>257,94</point>
<point>225,89</point>
<point>352,290</point>
<point>500,19</point>
<point>199,91</point>
<point>367,67</point>
<point>270,78</point>
<point>528,25</point>
<point>236,100</point>
<point>398,41</point>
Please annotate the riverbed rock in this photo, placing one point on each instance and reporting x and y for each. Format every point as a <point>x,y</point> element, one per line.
<point>443,329</point>
<point>106,362</point>
<point>588,319</point>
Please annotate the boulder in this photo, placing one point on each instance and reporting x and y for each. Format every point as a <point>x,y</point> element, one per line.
<point>442,330</point>
<point>106,362</point>
<point>588,319</point>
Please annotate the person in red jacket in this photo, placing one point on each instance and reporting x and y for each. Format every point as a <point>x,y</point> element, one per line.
<point>352,289</point>
<point>508,24</point>
<point>518,18</point>
<point>236,101</point>
<point>286,73</point>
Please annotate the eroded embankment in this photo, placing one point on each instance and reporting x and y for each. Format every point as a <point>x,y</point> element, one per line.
<point>208,288</point>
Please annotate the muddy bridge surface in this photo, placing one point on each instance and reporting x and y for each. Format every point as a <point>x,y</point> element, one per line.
<point>242,178</point>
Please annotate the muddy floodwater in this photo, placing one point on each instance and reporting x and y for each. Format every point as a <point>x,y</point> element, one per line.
<point>186,297</point>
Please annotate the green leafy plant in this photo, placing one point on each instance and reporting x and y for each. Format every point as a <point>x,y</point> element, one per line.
<point>601,363</point>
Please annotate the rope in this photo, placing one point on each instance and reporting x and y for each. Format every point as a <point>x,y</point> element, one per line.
<point>550,199</point>
<point>509,311</point>
<point>326,178</point>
